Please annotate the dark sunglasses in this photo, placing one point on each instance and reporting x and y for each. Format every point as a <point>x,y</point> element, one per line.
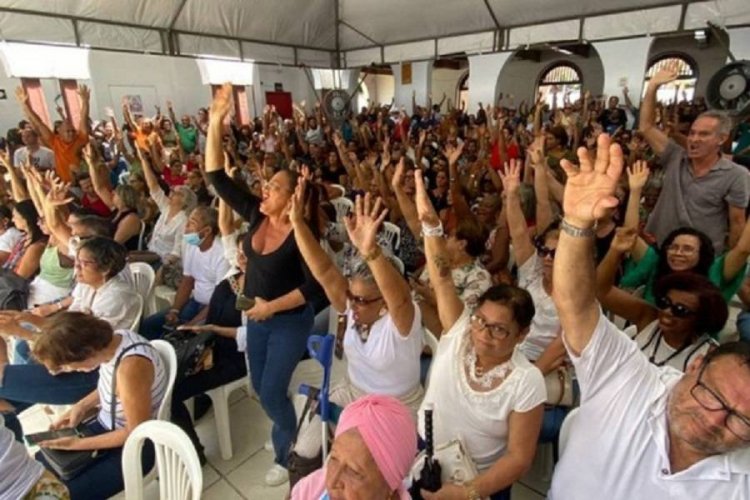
<point>544,252</point>
<point>677,310</point>
<point>361,301</point>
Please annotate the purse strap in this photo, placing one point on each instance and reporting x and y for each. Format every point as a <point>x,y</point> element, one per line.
<point>113,400</point>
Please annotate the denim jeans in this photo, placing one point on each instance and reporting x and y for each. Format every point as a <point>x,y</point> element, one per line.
<point>743,325</point>
<point>103,478</point>
<point>274,347</point>
<point>153,327</point>
<point>26,385</point>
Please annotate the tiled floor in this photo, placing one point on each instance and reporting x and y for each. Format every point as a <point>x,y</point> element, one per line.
<point>242,476</point>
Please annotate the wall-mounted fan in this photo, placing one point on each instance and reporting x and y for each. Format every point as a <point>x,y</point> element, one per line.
<point>729,89</point>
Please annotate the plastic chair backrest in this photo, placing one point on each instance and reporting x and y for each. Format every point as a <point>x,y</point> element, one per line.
<point>338,187</point>
<point>143,278</point>
<point>393,233</point>
<point>137,320</point>
<point>565,430</point>
<point>142,237</point>
<point>343,206</point>
<point>179,469</point>
<point>398,263</point>
<point>166,351</point>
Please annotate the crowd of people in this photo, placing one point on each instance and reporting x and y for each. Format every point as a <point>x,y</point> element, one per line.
<point>565,258</point>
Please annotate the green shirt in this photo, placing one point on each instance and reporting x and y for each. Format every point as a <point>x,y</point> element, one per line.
<point>643,273</point>
<point>188,137</point>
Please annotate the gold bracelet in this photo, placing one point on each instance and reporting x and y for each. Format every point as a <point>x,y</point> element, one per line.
<point>471,491</point>
<point>372,255</point>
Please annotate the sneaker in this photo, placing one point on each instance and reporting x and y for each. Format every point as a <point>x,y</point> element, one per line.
<point>268,445</point>
<point>276,476</point>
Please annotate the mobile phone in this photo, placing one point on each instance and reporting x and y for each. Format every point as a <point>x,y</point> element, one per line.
<point>243,303</point>
<point>38,437</point>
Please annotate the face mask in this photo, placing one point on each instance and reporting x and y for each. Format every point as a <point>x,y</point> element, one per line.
<point>192,239</point>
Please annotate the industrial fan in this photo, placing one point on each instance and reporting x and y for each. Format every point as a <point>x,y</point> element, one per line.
<point>729,89</point>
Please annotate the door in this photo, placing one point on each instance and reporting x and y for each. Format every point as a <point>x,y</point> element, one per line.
<point>282,101</point>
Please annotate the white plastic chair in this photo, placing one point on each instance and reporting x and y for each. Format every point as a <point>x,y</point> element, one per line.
<point>343,206</point>
<point>220,399</point>
<point>398,263</point>
<point>177,463</point>
<point>143,279</point>
<point>137,321</point>
<point>338,187</point>
<point>393,233</point>
<point>565,430</point>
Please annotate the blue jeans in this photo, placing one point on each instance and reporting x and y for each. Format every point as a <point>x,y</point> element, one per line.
<point>274,347</point>
<point>26,385</point>
<point>743,325</point>
<point>103,478</point>
<point>153,327</point>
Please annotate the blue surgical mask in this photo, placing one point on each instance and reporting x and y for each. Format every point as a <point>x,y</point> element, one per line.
<point>191,239</point>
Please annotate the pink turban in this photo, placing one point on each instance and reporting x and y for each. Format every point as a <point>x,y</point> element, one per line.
<point>388,430</point>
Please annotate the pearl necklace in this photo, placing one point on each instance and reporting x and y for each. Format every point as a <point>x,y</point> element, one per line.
<point>477,374</point>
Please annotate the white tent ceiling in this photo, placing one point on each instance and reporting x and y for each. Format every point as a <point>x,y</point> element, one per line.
<point>297,31</point>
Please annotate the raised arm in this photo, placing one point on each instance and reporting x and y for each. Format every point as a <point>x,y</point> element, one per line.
<point>362,229</point>
<point>148,174</point>
<point>98,178</point>
<point>84,125</point>
<point>407,206</point>
<point>637,178</point>
<point>541,185</point>
<point>656,138</point>
<point>523,246</point>
<point>449,304</point>
<point>44,131</point>
<point>320,264</point>
<point>589,194</point>
<point>17,185</point>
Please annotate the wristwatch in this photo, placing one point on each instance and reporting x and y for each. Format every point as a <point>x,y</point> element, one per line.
<point>577,232</point>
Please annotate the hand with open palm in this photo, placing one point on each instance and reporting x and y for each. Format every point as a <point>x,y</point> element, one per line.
<point>638,175</point>
<point>222,103</point>
<point>512,177</point>
<point>364,223</point>
<point>425,210</point>
<point>589,191</point>
<point>297,207</point>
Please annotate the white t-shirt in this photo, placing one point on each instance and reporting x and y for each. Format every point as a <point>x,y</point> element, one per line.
<point>207,268</point>
<point>479,418</point>
<point>387,363</point>
<point>42,158</point>
<point>653,346</point>
<point>546,324</point>
<point>115,301</point>
<point>167,232</point>
<point>618,447</point>
<point>9,238</point>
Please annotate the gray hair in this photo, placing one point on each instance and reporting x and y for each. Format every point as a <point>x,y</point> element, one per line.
<point>209,216</point>
<point>726,124</point>
<point>190,200</point>
<point>356,267</point>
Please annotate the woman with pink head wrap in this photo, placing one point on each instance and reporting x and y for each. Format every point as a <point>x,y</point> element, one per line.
<point>374,448</point>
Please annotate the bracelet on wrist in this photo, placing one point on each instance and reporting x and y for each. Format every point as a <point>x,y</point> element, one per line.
<point>369,257</point>
<point>432,231</point>
<point>577,232</point>
<point>471,491</point>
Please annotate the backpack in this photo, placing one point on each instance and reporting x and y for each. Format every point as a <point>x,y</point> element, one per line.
<point>14,291</point>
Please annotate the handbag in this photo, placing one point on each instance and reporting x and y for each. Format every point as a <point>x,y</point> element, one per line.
<point>194,351</point>
<point>560,387</point>
<point>455,464</point>
<point>68,464</point>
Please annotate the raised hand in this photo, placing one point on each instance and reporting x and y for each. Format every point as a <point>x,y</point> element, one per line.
<point>364,223</point>
<point>589,191</point>
<point>638,175</point>
<point>666,74</point>
<point>624,239</point>
<point>398,174</point>
<point>297,207</point>
<point>512,177</point>
<point>425,210</point>
<point>21,95</point>
<point>222,103</point>
<point>84,93</point>
<point>454,153</point>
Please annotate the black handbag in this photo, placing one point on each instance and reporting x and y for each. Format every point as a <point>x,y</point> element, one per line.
<point>194,351</point>
<point>68,464</point>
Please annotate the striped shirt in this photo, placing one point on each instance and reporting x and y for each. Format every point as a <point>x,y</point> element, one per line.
<point>106,370</point>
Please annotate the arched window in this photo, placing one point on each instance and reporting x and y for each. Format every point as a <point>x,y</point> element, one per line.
<point>683,87</point>
<point>560,80</point>
<point>463,91</point>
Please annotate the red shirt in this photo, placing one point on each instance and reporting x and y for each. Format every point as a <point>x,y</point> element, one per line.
<point>512,152</point>
<point>173,180</point>
<point>96,205</point>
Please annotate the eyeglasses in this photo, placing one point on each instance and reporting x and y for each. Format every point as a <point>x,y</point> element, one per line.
<point>677,310</point>
<point>497,332</point>
<point>682,249</point>
<point>84,262</point>
<point>361,301</point>
<point>709,400</point>
<point>545,252</point>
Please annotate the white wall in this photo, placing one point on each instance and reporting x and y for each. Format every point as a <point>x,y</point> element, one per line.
<point>421,83</point>
<point>484,72</point>
<point>292,79</point>
<point>381,88</point>
<point>445,80</point>
<point>624,61</point>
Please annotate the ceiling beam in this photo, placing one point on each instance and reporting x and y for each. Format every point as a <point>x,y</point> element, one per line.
<point>360,33</point>
<point>176,15</point>
<point>492,15</point>
<point>338,37</point>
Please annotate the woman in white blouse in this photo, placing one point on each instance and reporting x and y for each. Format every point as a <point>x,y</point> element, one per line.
<point>383,336</point>
<point>173,215</point>
<point>482,388</point>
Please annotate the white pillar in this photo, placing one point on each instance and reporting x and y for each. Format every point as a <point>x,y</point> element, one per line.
<point>484,71</point>
<point>739,43</point>
<point>624,61</point>
<point>421,83</point>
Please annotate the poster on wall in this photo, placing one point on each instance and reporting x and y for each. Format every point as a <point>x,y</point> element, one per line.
<point>406,73</point>
<point>135,103</point>
<point>142,99</point>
